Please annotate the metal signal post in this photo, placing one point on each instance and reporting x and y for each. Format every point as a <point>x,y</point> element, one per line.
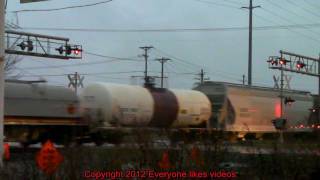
<point>296,63</point>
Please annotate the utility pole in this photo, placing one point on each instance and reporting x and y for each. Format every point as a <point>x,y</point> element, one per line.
<point>2,55</point>
<point>162,61</point>
<point>202,78</point>
<point>318,90</point>
<point>145,55</point>
<point>250,42</point>
<point>243,79</point>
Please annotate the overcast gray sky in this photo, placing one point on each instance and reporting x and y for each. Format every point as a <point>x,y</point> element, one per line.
<point>222,53</point>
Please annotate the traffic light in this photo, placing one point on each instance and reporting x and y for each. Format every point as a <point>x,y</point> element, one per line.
<point>300,65</point>
<point>288,100</point>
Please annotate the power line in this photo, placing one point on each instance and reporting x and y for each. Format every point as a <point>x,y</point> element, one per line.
<point>87,74</point>
<point>277,15</point>
<point>179,59</point>
<point>32,75</point>
<point>289,11</point>
<point>271,12</point>
<point>173,68</point>
<point>94,74</point>
<point>110,57</point>
<point>311,4</point>
<point>215,3</point>
<point>63,8</point>
<point>285,9</point>
<point>306,10</point>
<point>292,26</point>
<point>234,2</point>
<point>69,65</point>
<point>195,67</point>
<point>79,64</point>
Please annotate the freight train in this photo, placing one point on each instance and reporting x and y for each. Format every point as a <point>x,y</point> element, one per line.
<point>35,112</point>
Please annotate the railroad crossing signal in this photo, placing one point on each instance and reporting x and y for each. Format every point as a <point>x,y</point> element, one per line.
<point>300,65</point>
<point>273,61</point>
<point>286,85</point>
<point>24,44</point>
<point>295,63</point>
<point>288,100</point>
<point>69,50</point>
<point>75,81</point>
<point>283,61</point>
<point>41,45</point>
<point>279,123</point>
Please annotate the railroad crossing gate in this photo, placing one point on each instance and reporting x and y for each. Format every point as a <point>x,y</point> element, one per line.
<point>49,158</point>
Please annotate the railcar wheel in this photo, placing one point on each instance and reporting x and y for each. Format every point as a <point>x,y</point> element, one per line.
<point>98,142</point>
<point>25,144</point>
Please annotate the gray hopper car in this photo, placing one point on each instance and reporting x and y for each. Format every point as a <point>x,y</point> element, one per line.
<point>244,109</point>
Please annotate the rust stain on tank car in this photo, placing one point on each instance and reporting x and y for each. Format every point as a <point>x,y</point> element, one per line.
<point>165,108</point>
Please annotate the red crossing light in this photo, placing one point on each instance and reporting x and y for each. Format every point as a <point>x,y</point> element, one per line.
<point>288,101</point>
<point>283,61</point>
<point>273,62</point>
<point>300,65</point>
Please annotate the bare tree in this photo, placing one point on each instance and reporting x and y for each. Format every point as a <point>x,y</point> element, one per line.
<point>11,60</point>
<point>10,68</point>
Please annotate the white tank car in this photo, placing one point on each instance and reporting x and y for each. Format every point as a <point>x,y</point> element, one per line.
<point>194,108</point>
<point>251,109</point>
<point>115,105</point>
<point>107,105</point>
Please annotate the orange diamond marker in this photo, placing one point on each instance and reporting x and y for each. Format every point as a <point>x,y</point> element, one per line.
<point>48,158</point>
<point>164,163</point>
<point>6,154</point>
